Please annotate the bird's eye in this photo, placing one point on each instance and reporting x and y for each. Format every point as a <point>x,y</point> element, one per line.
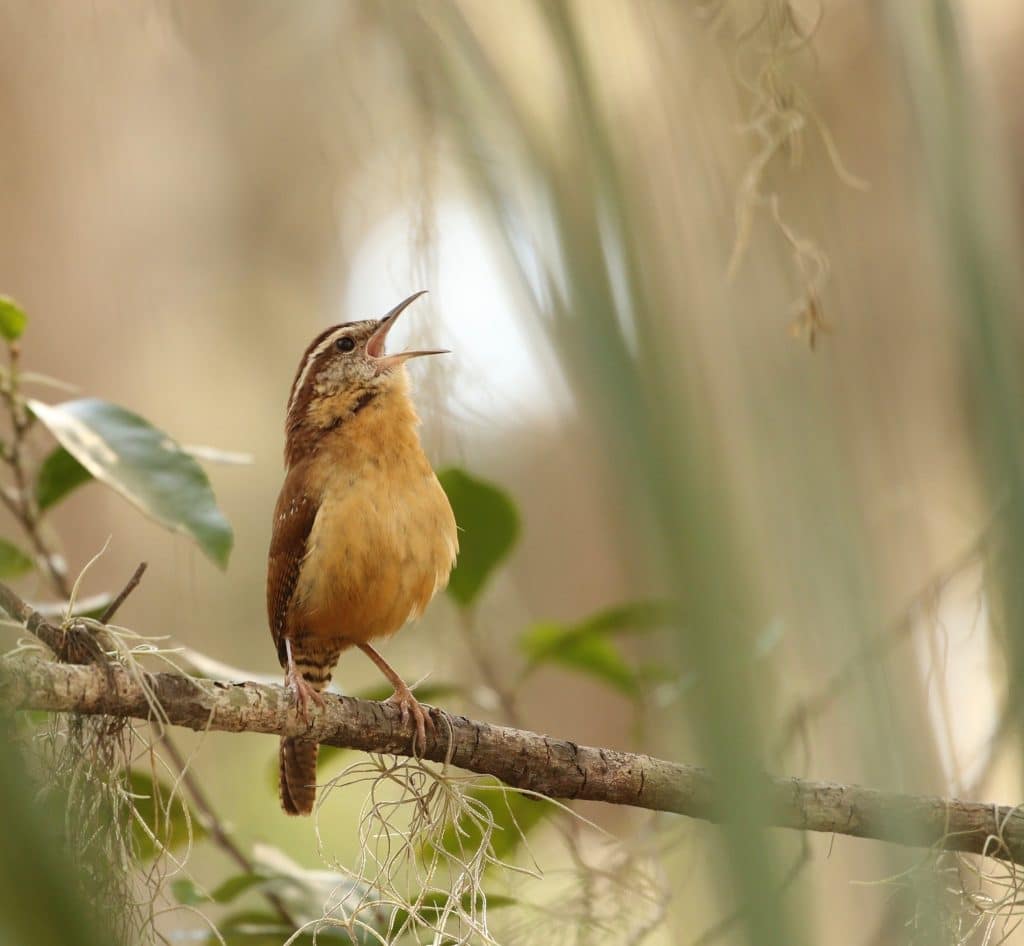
<point>345,344</point>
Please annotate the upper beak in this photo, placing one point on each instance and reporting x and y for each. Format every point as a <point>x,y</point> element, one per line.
<point>375,344</point>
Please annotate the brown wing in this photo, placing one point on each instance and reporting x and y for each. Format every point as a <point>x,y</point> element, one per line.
<point>293,520</point>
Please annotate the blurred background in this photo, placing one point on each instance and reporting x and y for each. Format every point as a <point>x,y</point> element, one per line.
<point>732,293</point>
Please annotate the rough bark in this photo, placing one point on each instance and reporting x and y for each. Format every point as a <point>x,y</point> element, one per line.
<point>527,760</point>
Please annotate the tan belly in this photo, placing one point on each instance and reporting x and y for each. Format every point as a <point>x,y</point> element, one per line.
<point>377,554</point>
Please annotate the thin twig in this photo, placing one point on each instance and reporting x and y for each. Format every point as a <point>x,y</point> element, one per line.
<point>510,708</point>
<point>48,633</point>
<point>484,667</point>
<point>216,828</point>
<point>114,605</point>
<point>22,505</point>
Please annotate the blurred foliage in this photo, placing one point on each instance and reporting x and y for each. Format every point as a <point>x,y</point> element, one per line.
<point>489,526</point>
<point>141,463</point>
<point>587,646</point>
<point>615,178</point>
<point>102,441</point>
<point>12,319</point>
<point>59,474</point>
<point>982,247</point>
<point>602,277</point>
<point>186,891</point>
<point>42,900</point>
<point>432,906</point>
<point>514,815</point>
<point>13,562</point>
<point>117,447</point>
<point>163,820</point>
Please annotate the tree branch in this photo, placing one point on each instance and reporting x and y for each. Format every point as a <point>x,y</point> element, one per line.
<point>522,759</point>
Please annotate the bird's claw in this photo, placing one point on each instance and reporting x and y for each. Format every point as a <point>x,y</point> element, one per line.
<point>303,692</point>
<point>411,707</point>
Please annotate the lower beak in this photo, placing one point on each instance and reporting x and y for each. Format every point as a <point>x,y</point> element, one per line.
<point>376,342</point>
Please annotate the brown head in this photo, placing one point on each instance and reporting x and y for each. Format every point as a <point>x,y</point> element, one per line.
<point>344,369</point>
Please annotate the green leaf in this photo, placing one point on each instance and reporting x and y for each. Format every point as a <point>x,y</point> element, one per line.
<point>489,526</point>
<point>250,918</point>
<point>13,561</point>
<point>185,891</point>
<point>632,617</point>
<point>144,465</point>
<point>167,820</point>
<point>586,647</point>
<point>514,815</point>
<point>59,475</point>
<point>593,654</point>
<point>234,887</point>
<point>12,319</point>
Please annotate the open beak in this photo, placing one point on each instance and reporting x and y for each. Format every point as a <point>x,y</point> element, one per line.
<point>375,343</point>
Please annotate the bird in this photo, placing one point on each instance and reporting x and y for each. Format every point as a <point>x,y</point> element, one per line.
<point>363,534</point>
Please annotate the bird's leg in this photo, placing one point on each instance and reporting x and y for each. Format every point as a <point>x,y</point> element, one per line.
<point>403,697</point>
<point>301,688</point>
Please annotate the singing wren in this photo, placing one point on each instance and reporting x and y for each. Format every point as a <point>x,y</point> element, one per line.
<point>363,534</point>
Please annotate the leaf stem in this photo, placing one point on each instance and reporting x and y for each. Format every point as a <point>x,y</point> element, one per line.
<point>486,670</point>
<point>21,504</point>
<point>114,606</point>
<point>218,832</point>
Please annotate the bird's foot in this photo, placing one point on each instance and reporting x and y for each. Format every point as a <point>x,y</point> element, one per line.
<point>410,706</point>
<point>303,692</point>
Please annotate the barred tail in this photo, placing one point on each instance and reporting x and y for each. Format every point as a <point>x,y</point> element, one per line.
<point>297,755</point>
<point>298,775</point>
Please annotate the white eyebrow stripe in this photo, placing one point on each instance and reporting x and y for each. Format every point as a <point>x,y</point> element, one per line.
<point>300,381</point>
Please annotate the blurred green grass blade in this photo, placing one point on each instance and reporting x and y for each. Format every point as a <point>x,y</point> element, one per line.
<point>144,465</point>
<point>604,310</point>
<point>42,901</point>
<point>970,196</point>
